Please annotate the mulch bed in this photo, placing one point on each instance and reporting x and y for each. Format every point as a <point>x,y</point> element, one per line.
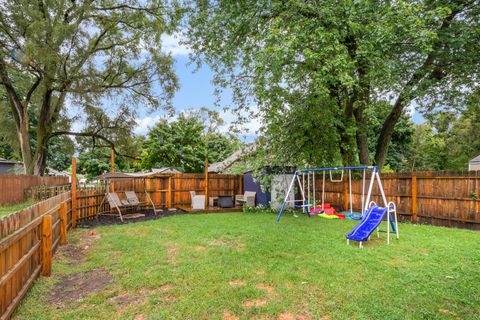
<point>130,217</point>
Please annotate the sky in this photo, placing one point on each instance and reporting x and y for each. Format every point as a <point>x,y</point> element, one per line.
<point>196,91</point>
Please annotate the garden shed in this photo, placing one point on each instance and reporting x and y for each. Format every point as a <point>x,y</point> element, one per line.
<point>474,164</point>
<point>10,166</point>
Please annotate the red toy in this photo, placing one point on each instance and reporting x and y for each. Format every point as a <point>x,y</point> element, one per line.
<point>327,209</point>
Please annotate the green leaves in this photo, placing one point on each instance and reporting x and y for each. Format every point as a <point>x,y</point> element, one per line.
<point>185,143</point>
<point>288,58</point>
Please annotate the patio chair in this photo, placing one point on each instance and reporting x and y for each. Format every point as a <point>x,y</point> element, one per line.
<point>115,202</point>
<point>198,201</point>
<point>133,200</point>
<point>248,197</point>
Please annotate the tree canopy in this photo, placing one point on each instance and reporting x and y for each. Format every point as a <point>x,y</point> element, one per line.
<point>82,54</point>
<point>315,67</point>
<point>185,143</point>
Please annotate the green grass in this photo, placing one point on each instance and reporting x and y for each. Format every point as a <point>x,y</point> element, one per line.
<point>181,267</point>
<point>10,208</point>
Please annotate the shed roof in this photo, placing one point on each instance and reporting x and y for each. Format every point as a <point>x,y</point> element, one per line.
<point>475,160</point>
<point>2,160</point>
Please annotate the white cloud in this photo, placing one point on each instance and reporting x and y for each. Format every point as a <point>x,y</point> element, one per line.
<point>144,124</point>
<point>171,44</point>
<point>250,128</point>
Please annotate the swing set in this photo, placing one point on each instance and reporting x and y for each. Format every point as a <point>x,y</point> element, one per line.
<point>370,216</point>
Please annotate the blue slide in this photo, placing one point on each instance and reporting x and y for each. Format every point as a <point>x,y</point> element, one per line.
<point>371,220</point>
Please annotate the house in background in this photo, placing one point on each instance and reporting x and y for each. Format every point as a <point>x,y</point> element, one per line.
<point>10,166</point>
<point>474,164</point>
<point>279,180</point>
<point>166,170</point>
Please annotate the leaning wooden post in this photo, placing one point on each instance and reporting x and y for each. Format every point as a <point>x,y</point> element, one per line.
<point>414,198</point>
<point>206,182</point>
<point>63,223</point>
<point>47,245</point>
<point>74,193</point>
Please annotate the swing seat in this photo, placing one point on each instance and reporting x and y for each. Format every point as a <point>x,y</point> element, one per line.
<point>353,215</point>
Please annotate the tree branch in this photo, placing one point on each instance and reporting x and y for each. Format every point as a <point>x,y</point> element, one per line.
<point>94,135</point>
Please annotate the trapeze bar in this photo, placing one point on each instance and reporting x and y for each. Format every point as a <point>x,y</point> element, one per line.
<point>335,168</point>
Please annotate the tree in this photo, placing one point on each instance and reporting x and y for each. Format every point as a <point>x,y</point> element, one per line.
<point>402,146</point>
<point>448,140</point>
<point>81,53</point>
<point>184,144</point>
<point>289,58</point>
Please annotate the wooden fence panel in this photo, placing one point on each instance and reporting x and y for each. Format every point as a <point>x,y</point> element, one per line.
<point>438,198</point>
<point>22,245</point>
<point>13,187</point>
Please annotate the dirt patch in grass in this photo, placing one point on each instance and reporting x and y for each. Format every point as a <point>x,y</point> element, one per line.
<point>229,316</point>
<point>79,285</point>
<point>234,244</point>
<point>76,254</point>
<point>110,219</point>
<point>237,283</point>
<point>448,313</point>
<point>171,252</point>
<point>200,248</point>
<point>292,316</point>
<point>255,303</point>
<point>165,288</point>
<point>265,287</point>
<point>124,299</point>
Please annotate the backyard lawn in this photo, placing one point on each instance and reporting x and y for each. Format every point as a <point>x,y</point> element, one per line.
<point>245,265</point>
<point>10,208</point>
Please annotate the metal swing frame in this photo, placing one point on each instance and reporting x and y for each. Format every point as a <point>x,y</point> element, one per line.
<point>306,199</point>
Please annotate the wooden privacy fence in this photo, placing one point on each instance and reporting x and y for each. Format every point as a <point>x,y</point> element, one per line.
<point>28,240</point>
<point>439,198</point>
<point>165,191</point>
<point>30,237</point>
<point>12,187</point>
<point>44,192</point>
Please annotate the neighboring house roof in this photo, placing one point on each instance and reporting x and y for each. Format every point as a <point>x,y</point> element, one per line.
<point>165,170</point>
<point>9,161</point>
<point>475,160</point>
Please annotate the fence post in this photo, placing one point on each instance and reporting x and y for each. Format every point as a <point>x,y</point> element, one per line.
<point>477,192</point>
<point>414,198</point>
<point>47,245</point>
<point>206,182</point>
<point>345,195</point>
<point>240,185</point>
<point>169,193</point>
<point>63,223</point>
<point>74,193</point>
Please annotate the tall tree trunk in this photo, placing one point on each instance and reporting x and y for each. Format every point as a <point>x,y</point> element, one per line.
<point>20,114</point>
<point>23,134</point>
<point>362,137</point>
<point>386,133</point>
<point>346,141</point>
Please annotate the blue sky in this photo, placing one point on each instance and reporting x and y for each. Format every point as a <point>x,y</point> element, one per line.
<point>196,91</point>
